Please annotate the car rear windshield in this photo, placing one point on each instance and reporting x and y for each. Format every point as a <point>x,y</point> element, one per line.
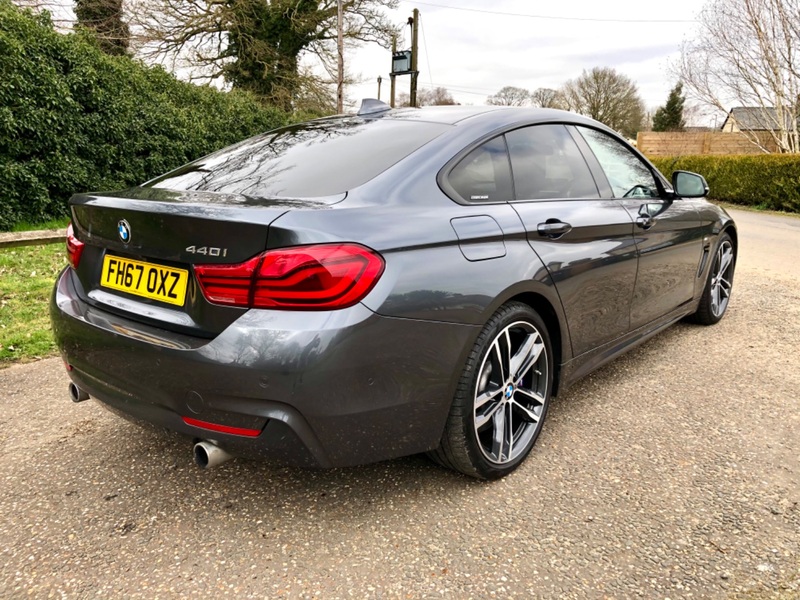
<point>320,158</point>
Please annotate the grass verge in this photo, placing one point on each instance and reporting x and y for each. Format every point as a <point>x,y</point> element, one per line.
<point>27,275</point>
<point>53,224</point>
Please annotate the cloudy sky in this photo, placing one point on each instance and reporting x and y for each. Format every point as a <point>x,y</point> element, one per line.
<point>475,47</point>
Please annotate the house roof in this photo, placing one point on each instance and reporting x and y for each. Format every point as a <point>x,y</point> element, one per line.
<point>753,118</point>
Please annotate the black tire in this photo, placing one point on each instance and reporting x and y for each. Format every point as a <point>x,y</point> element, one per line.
<point>719,285</point>
<point>508,376</point>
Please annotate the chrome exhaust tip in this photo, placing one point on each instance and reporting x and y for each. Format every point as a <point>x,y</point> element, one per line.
<point>207,455</point>
<point>76,394</point>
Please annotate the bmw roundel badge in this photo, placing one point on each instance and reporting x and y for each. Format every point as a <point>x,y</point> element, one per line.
<point>124,231</point>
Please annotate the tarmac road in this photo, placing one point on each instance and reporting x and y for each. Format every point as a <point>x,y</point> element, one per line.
<point>674,472</point>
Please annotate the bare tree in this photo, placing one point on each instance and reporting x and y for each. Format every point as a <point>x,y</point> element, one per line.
<point>61,15</point>
<point>547,98</point>
<point>608,97</point>
<point>104,19</point>
<point>510,96</point>
<point>746,54</point>
<point>255,44</point>
<point>438,96</point>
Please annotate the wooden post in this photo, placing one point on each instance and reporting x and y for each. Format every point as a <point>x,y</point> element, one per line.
<point>414,49</point>
<point>340,45</point>
<point>393,77</point>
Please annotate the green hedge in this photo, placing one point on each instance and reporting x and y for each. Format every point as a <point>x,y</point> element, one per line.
<point>74,119</point>
<point>768,181</point>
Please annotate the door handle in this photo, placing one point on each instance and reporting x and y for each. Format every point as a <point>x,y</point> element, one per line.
<point>645,221</point>
<point>553,228</point>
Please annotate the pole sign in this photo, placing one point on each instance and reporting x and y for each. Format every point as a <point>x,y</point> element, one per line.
<point>401,62</point>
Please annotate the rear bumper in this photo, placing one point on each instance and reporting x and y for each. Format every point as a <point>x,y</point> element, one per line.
<point>323,389</point>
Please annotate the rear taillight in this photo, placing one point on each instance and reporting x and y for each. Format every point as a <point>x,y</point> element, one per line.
<point>74,248</point>
<point>325,276</point>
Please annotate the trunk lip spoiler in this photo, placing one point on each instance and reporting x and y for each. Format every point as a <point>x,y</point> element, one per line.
<point>149,198</point>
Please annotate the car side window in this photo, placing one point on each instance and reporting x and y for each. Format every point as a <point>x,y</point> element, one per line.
<point>546,163</point>
<point>484,174</point>
<point>628,176</point>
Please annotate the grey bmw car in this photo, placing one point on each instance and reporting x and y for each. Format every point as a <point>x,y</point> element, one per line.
<point>363,287</point>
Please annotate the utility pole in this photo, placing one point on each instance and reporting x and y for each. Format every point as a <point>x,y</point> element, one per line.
<point>340,81</point>
<point>414,48</point>
<point>392,76</point>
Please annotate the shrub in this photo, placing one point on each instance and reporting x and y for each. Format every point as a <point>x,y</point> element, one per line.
<point>768,181</point>
<point>75,119</point>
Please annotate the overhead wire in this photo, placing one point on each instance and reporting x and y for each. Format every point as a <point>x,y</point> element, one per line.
<point>461,90</point>
<point>551,17</point>
<point>425,45</point>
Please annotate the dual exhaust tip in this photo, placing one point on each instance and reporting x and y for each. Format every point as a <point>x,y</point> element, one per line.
<point>206,454</point>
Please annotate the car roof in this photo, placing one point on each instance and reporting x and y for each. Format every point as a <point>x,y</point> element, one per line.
<point>488,116</point>
<point>448,115</point>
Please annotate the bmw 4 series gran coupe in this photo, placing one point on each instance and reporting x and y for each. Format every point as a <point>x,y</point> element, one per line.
<point>363,287</point>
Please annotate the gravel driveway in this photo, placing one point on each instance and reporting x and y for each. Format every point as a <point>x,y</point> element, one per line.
<point>674,472</point>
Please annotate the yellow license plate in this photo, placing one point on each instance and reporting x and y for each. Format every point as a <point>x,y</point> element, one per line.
<point>156,282</point>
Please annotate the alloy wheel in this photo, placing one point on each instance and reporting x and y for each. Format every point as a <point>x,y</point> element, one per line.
<point>511,393</point>
<point>721,278</point>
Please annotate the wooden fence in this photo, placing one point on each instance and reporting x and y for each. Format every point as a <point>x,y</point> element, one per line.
<point>654,143</point>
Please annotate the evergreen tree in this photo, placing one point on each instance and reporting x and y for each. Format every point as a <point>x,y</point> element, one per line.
<point>104,19</point>
<point>670,116</point>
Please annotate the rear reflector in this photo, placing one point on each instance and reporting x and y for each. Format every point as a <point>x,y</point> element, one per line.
<point>324,276</point>
<point>74,248</point>
<point>221,428</point>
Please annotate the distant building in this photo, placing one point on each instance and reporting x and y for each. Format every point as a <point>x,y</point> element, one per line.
<point>750,118</point>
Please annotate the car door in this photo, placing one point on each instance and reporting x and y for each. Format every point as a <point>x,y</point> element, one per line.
<point>585,241</point>
<point>667,231</point>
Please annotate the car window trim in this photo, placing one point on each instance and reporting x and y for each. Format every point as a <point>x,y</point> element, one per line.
<point>567,126</point>
<point>600,179</point>
<point>443,176</point>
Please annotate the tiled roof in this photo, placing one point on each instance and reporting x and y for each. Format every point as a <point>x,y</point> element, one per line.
<point>754,118</point>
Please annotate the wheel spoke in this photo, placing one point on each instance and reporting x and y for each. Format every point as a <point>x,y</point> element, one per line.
<point>725,258</point>
<point>527,414</point>
<point>509,432</point>
<point>489,394</point>
<point>531,394</point>
<point>507,367</point>
<point>715,299</point>
<point>527,354</point>
<point>482,419</point>
<point>725,287</point>
<point>499,358</point>
<point>499,433</point>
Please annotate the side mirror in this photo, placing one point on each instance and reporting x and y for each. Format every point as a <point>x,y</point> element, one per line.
<point>689,185</point>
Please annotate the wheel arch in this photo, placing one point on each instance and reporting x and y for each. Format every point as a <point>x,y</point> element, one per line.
<point>730,229</point>
<point>554,324</point>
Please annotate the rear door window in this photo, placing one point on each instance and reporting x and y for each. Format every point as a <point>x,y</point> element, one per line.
<point>546,163</point>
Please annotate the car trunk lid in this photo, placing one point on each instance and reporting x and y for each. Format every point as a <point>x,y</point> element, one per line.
<point>142,243</point>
